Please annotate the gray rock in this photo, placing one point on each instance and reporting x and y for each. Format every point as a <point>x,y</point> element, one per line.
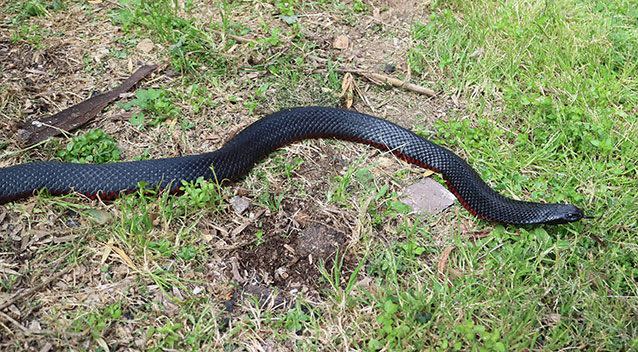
<point>427,197</point>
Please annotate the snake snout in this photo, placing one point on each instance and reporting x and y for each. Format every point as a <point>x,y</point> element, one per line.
<point>564,213</point>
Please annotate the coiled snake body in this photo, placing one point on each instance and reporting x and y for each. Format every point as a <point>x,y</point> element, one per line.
<point>240,154</point>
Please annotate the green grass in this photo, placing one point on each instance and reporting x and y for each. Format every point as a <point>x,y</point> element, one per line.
<point>553,93</point>
<point>201,50</point>
<point>24,10</point>
<point>21,12</point>
<point>190,47</point>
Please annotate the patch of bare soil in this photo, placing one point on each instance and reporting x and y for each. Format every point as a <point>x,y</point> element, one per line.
<point>286,252</point>
<point>380,43</point>
<point>35,73</point>
<point>291,262</point>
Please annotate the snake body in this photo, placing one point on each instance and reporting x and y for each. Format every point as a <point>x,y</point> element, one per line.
<point>237,157</point>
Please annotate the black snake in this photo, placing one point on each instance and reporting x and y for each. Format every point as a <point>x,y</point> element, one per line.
<point>241,153</point>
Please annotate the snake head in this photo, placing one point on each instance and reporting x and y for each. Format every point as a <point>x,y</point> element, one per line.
<point>563,213</point>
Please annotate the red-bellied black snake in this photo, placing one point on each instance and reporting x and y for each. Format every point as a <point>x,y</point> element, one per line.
<point>241,153</point>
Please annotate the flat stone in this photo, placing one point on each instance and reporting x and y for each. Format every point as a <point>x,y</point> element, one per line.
<point>145,46</point>
<point>341,42</point>
<point>427,197</point>
<point>239,204</point>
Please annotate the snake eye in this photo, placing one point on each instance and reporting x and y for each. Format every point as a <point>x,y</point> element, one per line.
<point>573,216</point>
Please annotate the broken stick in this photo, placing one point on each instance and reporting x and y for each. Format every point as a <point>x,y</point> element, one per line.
<point>395,82</point>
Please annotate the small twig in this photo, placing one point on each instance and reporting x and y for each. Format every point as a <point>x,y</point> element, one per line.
<point>364,98</point>
<point>17,324</point>
<point>378,78</point>
<point>28,292</point>
<point>20,151</point>
<point>245,224</point>
<point>239,39</point>
<point>31,332</point>
<point>242,40</point>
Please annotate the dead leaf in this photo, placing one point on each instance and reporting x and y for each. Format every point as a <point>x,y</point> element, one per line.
<point>35,326</point>
<point>100,341</point>
<point>127,260</point>
<point>8,271</point>
<point>234,270</point>
<point>444,258</point>
<point>477,53</point>
<point>347,90</point>
<point>47,347</point>
<point>376,13</point>
<point>99,216</point>
<point>100,54</point>
<point>552,319</point>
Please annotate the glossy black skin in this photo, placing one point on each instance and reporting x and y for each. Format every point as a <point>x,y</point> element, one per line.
<point>563,214</point>
<point>237,157</point>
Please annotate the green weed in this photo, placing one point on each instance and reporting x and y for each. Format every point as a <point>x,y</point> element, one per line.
<point>199,97</point>
<point>30,33</point>
<point>400,318</point>
<point>296,318</point>
<point>354,177</point>
<point>167,336</point>
<point>271,200</point>
<point>139,212</point>
<point>202,194</point>
<point>259,237</point>
<point>148,207</point>
<point>33,8</point>
<point>96,322</point>
<point>155,107</point>
<point>24,10</point>
<point>94,146</point>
